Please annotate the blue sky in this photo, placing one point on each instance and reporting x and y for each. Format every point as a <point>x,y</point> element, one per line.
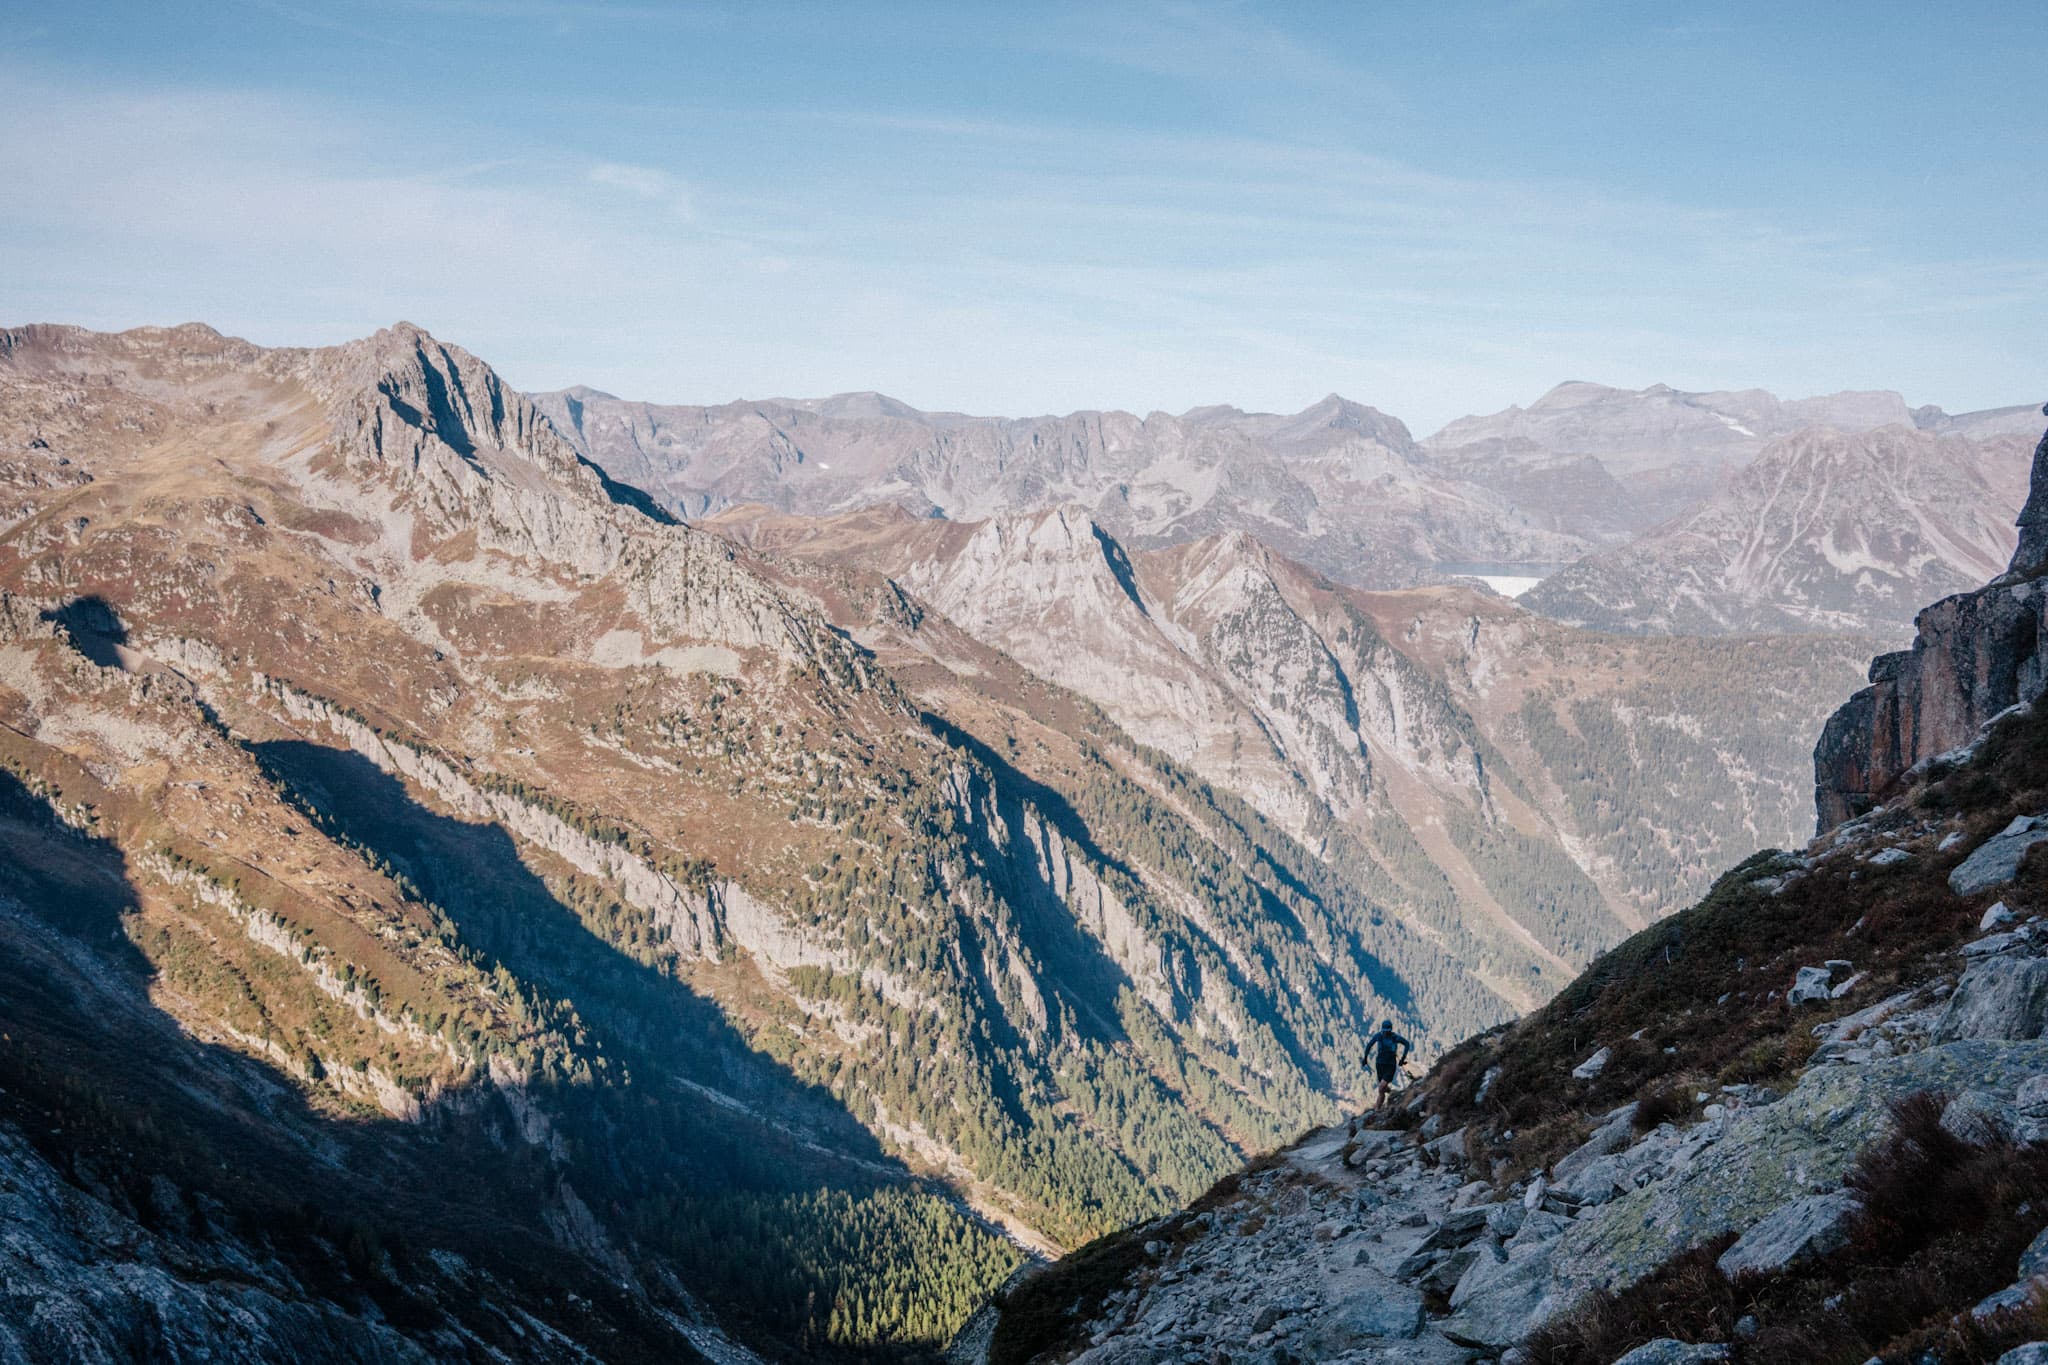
<point>1434,208</point>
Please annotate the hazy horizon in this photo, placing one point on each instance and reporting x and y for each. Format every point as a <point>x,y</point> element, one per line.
<point>1055,208</point>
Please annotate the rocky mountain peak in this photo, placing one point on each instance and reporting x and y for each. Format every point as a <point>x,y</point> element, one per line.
<point>1578,392</point>
<point>863,404</point>
<point>1315,425</point>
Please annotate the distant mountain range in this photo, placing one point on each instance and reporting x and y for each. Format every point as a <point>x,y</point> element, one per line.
<point>1660,450</point>
<point>1345,489</point>
<point>1341,486</point>
<point>1824,530</point>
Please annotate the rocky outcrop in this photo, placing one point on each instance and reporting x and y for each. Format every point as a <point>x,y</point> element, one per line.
<point>1977,654</point>
<point>2031,557</point>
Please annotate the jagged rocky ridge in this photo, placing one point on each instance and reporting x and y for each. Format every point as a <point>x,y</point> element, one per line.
<point>1339,485</point>
<point>1804,1120</point>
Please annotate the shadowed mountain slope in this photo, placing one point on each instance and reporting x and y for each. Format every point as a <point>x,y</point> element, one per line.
<point>796,984</point>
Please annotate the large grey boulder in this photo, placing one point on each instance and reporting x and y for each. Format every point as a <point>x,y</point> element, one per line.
<point>1497,1303</point>
<point>2033,1353</point>
<point>1374,1314</point>
<point>1596,1182</point>
<point>1611,1136</point>
<point>1998,998</point>
<point>1809,985</point>
<point>1593,1065</point>
<point>1669,1351</point>
<point>1997,859</point>
<point>1798,1232</point>
<point>1979,1116</point>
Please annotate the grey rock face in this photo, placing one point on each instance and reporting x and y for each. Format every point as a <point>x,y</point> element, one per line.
<point>2031,554</point>
<point>1596,1182</point>
<point>1997,860</point>
<point>1498,1302</point>
<point>2000,997</point>
<point>1768,1157</point>
<point>1978,1116</point>
<point>2033,1353</point>
<point>1610,1136</point>
<point>2009,1299</point>
<point>1797,1232</point>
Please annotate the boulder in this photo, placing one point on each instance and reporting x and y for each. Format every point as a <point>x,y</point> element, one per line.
<point>1485,1085</point>
<point>1598,1181</point>
<point>1668,1351</point>
<point>1993,944</point>
<point>2008,1299</point>
<point>1537,1226</point>
<point>1449,1150</point>
<point>1498,1303</point>
<point>1999,998</point>
<point>1799,1231</point>
<point>1458,1226</point>
<point>1994,917</point>
<point>2033,1353</point>
<point>1385,1310</point>
<point>1996,861</point>
<point>1450,1266</point>
<point>1370,1143</point>
<point>1809,985</point>
<point>1611,1136</point>
<point>1978,1116</point>
<point>1593,1065</point>
<point>1505,1220</point>
<point>2034,1260</point>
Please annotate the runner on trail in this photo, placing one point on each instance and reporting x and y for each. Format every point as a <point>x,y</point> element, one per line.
<point>1386,1050</point>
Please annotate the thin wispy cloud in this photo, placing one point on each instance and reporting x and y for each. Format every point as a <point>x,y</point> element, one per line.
<point>783,222</point>
<point>645,182</point>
